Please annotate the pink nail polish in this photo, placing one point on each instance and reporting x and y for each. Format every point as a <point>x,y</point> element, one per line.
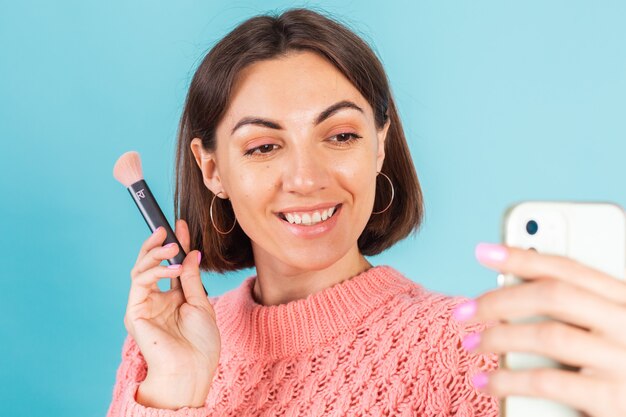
<point>175,266</point>
<point>169,245</point>
<point>490,253</point>
<point>480,380</point>
<point>471,341</point>
<point>465,310</point>
<point>199,257</point>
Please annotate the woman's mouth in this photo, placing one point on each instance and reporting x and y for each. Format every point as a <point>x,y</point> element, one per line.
<point>309,218</point>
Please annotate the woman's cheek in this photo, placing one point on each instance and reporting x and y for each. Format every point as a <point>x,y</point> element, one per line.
<point>359,170</point>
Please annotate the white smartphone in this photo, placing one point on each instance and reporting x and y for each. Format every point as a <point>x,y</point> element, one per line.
<point>593,234</point>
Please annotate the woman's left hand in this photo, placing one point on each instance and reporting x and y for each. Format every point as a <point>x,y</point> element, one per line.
<point>587,329</point>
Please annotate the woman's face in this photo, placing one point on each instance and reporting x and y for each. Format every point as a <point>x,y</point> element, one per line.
<point>297,154</point>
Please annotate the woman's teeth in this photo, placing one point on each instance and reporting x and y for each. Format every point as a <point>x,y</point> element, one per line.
<point>309,219</point>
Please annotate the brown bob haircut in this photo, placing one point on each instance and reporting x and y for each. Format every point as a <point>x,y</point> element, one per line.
<point>262,38</point>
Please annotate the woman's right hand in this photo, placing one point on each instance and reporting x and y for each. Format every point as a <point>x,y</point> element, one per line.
<point>175,330</point>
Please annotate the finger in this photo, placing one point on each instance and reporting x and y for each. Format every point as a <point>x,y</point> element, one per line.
<point>555,340</point>
<point>182,234</point>
<point>154,257</point>
<point>582,392</point>
<point>557,300</point>
<point>192,283</point>
<point>143,284</point>
<point>155,239</point>
<point>531,265</point>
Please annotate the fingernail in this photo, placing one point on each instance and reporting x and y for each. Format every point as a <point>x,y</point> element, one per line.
<point>471,341</point>
<point>490,253</point>
<point>175,266</point>
<point>157,230</point>
<point>465,310</point>
<point>480,380</point>
<point>199,257</point>
<point>169,245</point>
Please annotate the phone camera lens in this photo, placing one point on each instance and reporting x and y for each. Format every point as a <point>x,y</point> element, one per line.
<point>532,227</point>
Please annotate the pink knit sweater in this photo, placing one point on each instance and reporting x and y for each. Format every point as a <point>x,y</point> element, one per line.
<point>377,344</point>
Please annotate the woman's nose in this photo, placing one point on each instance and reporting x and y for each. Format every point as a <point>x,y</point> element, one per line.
<point>305,172</point>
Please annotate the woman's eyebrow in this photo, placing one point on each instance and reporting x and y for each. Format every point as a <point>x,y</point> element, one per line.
<point>344,104</point>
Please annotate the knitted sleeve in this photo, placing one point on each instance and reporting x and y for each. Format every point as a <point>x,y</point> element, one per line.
<point>467,401</point>
<point>131,372</point>
<point>443,374</point>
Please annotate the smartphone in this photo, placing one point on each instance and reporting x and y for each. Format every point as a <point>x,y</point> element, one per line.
<point>593,234</point>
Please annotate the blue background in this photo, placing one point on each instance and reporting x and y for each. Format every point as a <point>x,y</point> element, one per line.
<point>501,102</point>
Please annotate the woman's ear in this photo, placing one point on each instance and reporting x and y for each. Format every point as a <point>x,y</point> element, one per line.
<point>382,137</point>
<point>207,164</point>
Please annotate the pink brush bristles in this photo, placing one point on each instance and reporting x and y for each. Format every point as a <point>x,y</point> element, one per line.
<point>127,169</point>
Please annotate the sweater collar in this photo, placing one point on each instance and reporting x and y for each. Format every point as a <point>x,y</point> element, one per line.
<point>298,326</point>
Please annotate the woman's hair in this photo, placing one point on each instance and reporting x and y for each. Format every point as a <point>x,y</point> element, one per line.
<point>262,38</point>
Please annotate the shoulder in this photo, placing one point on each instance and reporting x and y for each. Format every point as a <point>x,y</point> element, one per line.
<point>434,339</point>
<point>424,309</point>
<point>427,321</point>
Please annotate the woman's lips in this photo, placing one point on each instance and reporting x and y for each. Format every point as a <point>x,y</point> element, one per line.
<point>313,230</point>
<point>308,218</point>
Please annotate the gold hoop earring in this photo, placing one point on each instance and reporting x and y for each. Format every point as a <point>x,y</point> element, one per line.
<point>392,195</point>
<point>213,222</point>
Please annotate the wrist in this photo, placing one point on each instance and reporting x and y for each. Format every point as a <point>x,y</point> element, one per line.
<point>173,392</point>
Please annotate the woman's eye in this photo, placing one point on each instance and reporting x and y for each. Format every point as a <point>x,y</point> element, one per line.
<point>263,149</point>
<point>345,137</point>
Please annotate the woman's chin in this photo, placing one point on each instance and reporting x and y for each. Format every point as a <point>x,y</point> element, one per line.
<point>304,255</point>
<point>325,258</point>
<point>310,265</point>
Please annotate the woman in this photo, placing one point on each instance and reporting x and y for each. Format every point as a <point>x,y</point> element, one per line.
<point>292,159</point>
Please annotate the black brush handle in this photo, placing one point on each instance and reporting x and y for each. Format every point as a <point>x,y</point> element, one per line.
<point>154,217</point>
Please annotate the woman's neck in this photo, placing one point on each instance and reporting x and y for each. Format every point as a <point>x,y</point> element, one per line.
<point>278,283</point>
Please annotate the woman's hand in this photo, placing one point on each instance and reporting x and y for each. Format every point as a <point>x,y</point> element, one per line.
<point>587,330</point>
<point>175,330</point>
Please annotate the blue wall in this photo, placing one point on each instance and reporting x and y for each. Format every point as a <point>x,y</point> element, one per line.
<point>501,103</point>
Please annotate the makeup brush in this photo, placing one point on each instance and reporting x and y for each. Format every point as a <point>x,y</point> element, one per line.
<point>127,170</point>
